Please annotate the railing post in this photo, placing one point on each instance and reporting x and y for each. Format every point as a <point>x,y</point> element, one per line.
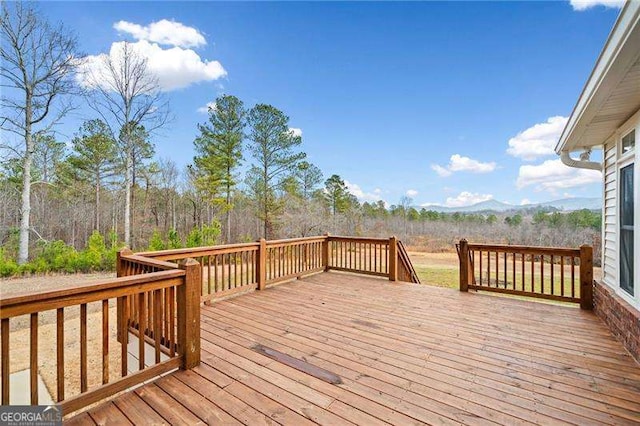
<point>586,277</point>
<point>262,264</point>
<point>120,271</point>
<point>393,258</point>
<point>120,301</point>
<point>188,298</point>
<point>464,265</point>
<point>325,252</point>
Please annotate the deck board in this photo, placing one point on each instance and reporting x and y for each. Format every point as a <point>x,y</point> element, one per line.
<point>407,354</point>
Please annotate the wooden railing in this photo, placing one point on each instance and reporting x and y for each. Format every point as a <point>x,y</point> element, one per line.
<point>146,321</point>
<point>157,299</point>
<point>362,255</point>
<point>562,274</point>
<point>293,258</point>
<point>223,270</point>
<point>229,270</point>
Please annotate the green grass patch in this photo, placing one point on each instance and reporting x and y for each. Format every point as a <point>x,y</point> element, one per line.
<point>439,277</point>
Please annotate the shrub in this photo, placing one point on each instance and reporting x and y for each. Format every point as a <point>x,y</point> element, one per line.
<point>194,239</point>
<point>173,240</point>
<point>156,243</point>
<point>206,236</point>
<point>8,267</point>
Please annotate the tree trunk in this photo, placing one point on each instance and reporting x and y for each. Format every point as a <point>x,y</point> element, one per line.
<point>97,212</point>
<point>127,202</point>
<point>25,206</point>
<point>228,206</point>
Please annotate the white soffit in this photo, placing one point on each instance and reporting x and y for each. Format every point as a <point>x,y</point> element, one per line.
<point>612,93</point>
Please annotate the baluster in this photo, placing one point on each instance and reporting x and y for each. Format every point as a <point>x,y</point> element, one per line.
<point>105,342</point>
<point>209,273</point>
<point>60,353</point>
<point>172,321</point>
<point>573,276</point>
<point>142,320</point>
<point>4,328</point>
<point>489,268</point>
<point>505,269</point>
<point>157,323</point>
<point>83,348</point>
<point>522,269</point>
<point>497,269</point>
<point>542,274</point>
<point>229,275</point>
<point>552,271</point>
<point>480,265</point>
<point>223,282</point>
<point>561,275</point>
<point>124,332</point>
<point>513,264</point>
<point>33,359</point>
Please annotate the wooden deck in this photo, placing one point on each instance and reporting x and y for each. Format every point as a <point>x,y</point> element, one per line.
<point>406,354</point>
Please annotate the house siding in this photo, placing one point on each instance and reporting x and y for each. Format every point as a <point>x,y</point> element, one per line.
<point>610,232</point>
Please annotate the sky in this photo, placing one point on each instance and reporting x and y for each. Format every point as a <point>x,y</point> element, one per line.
<point>448,103</point>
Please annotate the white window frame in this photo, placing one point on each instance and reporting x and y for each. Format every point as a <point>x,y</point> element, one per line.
<point>623,161</point>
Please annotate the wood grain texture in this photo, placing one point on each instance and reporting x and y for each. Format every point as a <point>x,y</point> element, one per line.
<point>407,354</point>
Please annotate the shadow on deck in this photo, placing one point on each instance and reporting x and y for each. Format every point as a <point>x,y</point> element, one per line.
<point>406,354</point>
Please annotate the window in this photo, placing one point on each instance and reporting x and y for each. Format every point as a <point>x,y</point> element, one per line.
<point>629,142</point>
<point>626,229</point>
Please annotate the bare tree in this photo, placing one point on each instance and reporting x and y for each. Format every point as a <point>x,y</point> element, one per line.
<point>127,96</point>
<point>37,67</point>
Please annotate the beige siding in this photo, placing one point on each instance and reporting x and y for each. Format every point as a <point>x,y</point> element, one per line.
<point>610,244</point>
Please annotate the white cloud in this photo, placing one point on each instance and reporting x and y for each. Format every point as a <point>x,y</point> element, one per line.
<point>175,68</point>
<point>362,195</point>
<point>459,163</point>
<point>205,109</point>
<point>538,140</point>
<point>466,198</point>
<point>295,131</point>
<point>581,5</point>
<point>441,171</point>
<point>552,175</point>
<point>163,32</point>
<point>525,201</point>
<point>411,193</point>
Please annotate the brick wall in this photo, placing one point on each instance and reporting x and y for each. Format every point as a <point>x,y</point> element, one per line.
<point>619,316</point>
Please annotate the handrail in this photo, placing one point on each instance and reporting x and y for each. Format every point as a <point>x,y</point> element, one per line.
<point>408,271</point>
<point>196,251</point>
<point>541,272</point>
<point>556,251</point>
<point>35,301</point>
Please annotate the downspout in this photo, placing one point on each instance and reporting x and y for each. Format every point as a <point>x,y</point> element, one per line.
<point>582,163</point>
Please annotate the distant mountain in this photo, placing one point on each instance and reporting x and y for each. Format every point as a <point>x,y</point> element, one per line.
<point>565,204</point>
<point>571,204</point>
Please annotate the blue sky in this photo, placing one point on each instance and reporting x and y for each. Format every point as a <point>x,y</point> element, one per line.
<point>448,102</point>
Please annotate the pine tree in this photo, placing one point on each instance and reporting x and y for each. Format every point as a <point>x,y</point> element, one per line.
<point>219,153</point>
<point>273,148</point>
